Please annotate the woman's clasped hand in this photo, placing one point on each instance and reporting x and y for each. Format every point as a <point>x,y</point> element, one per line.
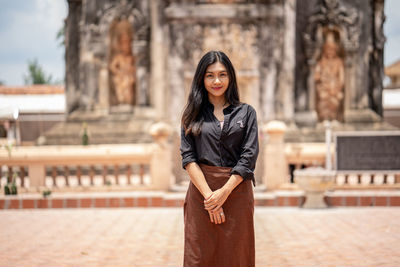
<point>217,217</point>
<point>213,204</point>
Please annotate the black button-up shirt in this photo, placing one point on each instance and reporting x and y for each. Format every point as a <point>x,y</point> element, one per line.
<point>235,145</point>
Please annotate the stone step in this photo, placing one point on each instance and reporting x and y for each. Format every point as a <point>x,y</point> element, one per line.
<point>99,132</point>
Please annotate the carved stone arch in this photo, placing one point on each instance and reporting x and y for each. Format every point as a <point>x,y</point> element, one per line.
<point>332,15</point>
<point>122,11</point>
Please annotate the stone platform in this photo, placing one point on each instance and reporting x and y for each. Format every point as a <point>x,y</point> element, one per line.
<point>290,198</point>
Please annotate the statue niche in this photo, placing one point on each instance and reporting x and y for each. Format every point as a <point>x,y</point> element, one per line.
<point>329,80</point>
<point>121,64</point>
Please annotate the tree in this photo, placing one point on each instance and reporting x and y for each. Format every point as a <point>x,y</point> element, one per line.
<point>60,37</point>
<point>36,74</point>
<point>2,82</point>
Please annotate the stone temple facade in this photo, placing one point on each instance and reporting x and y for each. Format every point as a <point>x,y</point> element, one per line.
<point>167,40</point>
<point>130,63</point>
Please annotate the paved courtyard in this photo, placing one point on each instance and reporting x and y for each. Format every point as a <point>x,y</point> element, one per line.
<point>154,237</point>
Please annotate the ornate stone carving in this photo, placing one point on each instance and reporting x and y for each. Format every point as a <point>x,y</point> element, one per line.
<point>237,41</point>
<point>189,44</point>
<point>124,10</point>
<point>329,81</point>
<point>332,15</point>
<point>122,62</point>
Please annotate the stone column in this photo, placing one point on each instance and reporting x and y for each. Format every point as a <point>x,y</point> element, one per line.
<point>268,93</point>
<point>176,98</point>
<point>275,165</point>
<point>157,78</point>
<point>286,75</point>
<point>72,53</point>
<point>376,65</point>
<point>350,82</point>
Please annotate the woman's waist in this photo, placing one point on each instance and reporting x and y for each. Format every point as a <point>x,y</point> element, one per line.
<point>217,177</point>
<point>215,169</point>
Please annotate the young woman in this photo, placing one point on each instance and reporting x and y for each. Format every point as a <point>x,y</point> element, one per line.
<point>219,148</point>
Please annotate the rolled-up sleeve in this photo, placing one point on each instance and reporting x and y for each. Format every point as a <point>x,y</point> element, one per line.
<point>188,149</point>
<point>249,149</point>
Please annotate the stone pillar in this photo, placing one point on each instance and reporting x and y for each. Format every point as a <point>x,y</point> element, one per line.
<point>161,161</point>
<point>268,93</point>
<point>286,75</point>
<point>157,78</point>
<point>176,94</point>
<point>376,65</point>
<point>350,97</point>
<point>275,165</point>
<point>72,54</point>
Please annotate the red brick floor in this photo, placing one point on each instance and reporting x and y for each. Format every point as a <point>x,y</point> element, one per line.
<point>154,237</point>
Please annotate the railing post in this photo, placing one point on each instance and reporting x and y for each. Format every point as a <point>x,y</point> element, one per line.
<point>37,175</point>
<point>275,164</point>
<point>161,161</point>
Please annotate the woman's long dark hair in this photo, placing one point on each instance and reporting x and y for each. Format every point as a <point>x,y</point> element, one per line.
<point>192,118</point>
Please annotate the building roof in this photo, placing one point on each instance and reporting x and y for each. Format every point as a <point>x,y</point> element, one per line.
<point>37,89</point>
<point>393,69</point>
<point>32,99</point>
<point>34,103</point>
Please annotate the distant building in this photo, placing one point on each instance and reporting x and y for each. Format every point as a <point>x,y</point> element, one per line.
<point>391,95</point>
<point>393,72</point>
<point>26,112</point>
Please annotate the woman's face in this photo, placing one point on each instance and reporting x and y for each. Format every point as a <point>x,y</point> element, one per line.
<point>216,80</point>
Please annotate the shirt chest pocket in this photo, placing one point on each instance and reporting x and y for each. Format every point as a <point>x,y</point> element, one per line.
<point>237,127</point>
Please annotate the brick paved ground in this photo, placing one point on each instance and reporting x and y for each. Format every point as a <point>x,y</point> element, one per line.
<point>154,237</point>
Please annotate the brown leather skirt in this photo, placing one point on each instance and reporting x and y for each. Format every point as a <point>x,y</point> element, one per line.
<point>227,244</point>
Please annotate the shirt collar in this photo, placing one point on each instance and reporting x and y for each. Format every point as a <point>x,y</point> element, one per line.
<point>209,106</point>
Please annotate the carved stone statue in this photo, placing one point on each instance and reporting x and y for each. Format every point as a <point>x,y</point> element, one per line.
<point>329,81</point>
<point>122,62</point>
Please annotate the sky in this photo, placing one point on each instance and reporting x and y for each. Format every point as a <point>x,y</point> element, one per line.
<point>28,30</point>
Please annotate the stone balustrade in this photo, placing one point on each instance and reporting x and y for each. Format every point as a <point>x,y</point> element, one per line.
<point>368,180</point>
<point>282,159</point>
<point>149,166</point>
<point>313,154</point>
<point>131,166</point>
